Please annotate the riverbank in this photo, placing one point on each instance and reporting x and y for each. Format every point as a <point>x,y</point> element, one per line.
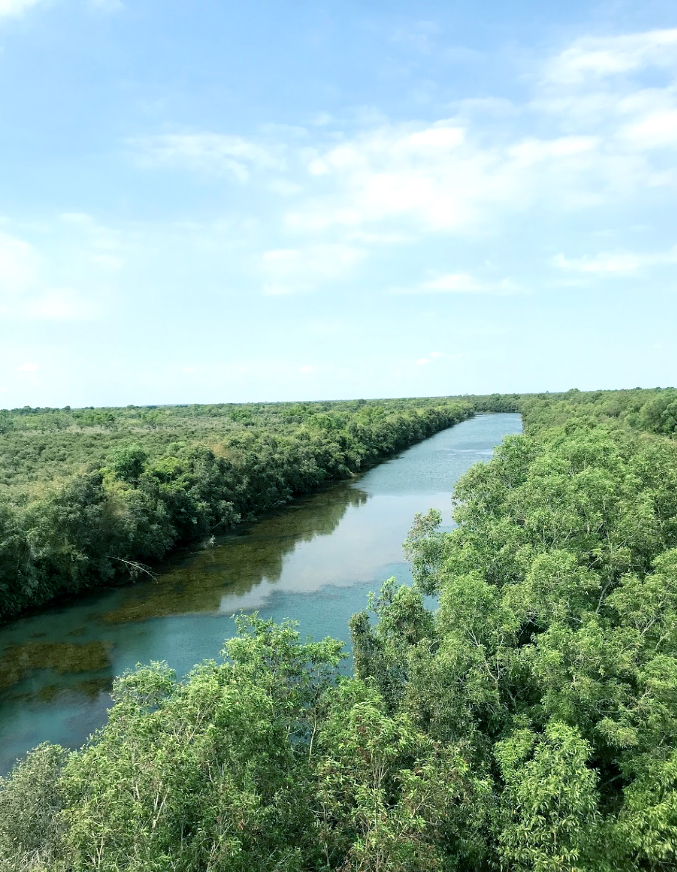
<point>145,492</point>
<point>314,560</point>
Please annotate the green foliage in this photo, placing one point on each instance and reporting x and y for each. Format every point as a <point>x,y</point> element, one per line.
<point>390,798</point>
<point>381,652</point>
<point>207,774</point>
<point>85,495</point>
<point>528,724</point>
<point>423,548</point>
<point>553,653</point>
<point>548,819</point>
<point>31,801</point>
<point>128,462</point>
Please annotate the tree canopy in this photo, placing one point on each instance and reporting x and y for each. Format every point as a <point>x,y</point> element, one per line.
<point>526,723</point>
<point>91,497</point>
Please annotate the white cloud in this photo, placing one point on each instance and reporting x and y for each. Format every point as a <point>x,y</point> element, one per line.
<point>459,283</point>
<point>594,147</point>
<point>488,106</point>
<point>299,270</point>
<point>109,261</point>
<point>104,241</point>
<point>391,173</point>
<point>452,283</point>
<point>654,130</point>
<point>284,187</point>
<point>206,152</point>
<point>588,138</point>
<point>609,56</point>
<point>322,119</point>
<point>15,7</point>
<point>392,237</point>
<point>28,367</point>
<point>533,151</point>
<point>26,274</point>
<point>83,219</point>
<point>441,178</point>
<point>615,263</point>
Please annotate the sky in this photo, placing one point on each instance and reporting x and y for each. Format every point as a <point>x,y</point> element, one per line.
<point>323,199</point>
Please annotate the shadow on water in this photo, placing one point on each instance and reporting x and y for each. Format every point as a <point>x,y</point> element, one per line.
<point>193,582</point>
<point>238,563</point>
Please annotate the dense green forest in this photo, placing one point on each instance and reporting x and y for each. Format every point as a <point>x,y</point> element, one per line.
<point>89,497</point>
<point>529,722</point>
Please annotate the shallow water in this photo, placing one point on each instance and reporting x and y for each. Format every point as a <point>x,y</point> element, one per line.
<point>314,561</point>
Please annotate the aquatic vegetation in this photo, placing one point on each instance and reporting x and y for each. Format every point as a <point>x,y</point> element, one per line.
<point>18,661</point>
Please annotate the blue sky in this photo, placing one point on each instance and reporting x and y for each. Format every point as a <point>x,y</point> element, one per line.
<point>223,202</point>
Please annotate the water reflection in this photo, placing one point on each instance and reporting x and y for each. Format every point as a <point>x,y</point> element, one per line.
<point>57,668</point>
<point>240,562</point>
<point>192,583</point>
<point>314,561</point>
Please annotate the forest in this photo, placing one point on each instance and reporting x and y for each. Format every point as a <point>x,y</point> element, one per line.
<point>92,497</point>
<point>526,723</point>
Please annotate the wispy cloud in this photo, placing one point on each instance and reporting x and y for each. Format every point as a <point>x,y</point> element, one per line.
<point>601,141</point>
<point>442,178</point>
<point>422,36</point>
<point>615,263</point>
<point>104,243</point>
<point>27,291</point>
<point>657,129</point>
<point>608,56</point>
<point>205,152</point>
<point>459,283</point>
<point>63,304</point>
<point>594,84</point>
<point>589,136</point>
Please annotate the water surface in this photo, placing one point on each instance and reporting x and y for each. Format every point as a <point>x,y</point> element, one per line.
<point>314,561</point>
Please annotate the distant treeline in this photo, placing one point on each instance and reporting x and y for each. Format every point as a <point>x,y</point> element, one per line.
<point>528,724</point>
<point>651,411</point>
<point>91,496</point>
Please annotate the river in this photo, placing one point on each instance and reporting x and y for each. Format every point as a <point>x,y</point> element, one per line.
<point>313,561</point>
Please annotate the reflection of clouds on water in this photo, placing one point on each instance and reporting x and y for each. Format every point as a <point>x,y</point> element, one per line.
<point>254,556</point>
<point>366,539</point>
<point>313,561</point>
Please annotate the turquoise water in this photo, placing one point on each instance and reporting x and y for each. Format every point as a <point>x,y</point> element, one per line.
<point>315,561</point>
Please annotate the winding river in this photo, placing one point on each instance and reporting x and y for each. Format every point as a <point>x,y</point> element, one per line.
<point>314,561</point>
